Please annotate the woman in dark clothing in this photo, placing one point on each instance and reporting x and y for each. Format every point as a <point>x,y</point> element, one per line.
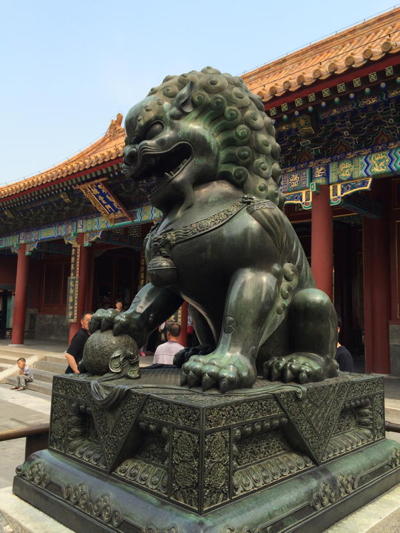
<point>343,356</point>
<point>74,352</point>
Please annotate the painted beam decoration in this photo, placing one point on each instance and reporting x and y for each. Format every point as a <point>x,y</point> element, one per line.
<point>90,226</point>
<point>344,177</point>
<point>103,200</point>
<point>73,285</point>
<point>338,190</point>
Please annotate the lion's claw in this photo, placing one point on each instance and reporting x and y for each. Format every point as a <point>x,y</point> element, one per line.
<point>275,370</point>
<point>207,382</point>
<point>300,367</point>
<point>287,374</point>
<point>226,372</point>
<point>102,319</point>
<point>192,379</point>
<point>224,385</point>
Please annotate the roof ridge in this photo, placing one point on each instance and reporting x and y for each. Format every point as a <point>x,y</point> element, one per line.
<point>350,48</point>
<point>326,40</point>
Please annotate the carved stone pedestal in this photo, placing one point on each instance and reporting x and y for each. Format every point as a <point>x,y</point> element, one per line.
<point>151,456</point>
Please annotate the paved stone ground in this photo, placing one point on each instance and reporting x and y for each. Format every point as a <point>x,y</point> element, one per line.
<point>392,405</point>
<point>392,388</point>
<point>17,409</point>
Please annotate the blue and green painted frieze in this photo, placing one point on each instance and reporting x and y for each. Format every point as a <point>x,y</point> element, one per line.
<point>345,176</point>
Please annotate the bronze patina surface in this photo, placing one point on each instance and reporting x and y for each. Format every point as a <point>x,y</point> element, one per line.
<point>206,148</point>
<point>135,455</point>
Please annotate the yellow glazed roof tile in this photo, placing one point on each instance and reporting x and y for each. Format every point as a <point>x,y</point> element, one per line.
<point>109,147</point>
<point>352,48</point>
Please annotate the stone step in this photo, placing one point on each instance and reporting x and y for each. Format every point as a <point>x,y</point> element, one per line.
<point>16,353</point>
<point>42,375</point>
<point>53,367</point>
<point>41,386</point>
<point>9,360</point>
<point>38,386</point>
<point>392,415</point>
<point>52,357</point>
<point>17,515</point>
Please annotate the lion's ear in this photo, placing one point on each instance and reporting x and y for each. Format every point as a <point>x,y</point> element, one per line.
<point>183,100</point>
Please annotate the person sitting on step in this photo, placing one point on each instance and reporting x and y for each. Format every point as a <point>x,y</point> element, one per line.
<point>24,375</point>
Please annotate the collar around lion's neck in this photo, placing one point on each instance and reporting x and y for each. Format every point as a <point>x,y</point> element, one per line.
<point>162,243</point>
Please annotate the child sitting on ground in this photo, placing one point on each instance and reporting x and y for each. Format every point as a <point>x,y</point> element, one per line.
<point>24,375</point>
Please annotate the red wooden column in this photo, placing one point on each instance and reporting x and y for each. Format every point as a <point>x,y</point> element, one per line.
<point>184,322</point>
<point>322,240</point>
<point>376,294</point>
<point>83,274</point>
<point>88,305</point>
<point>21,285</point>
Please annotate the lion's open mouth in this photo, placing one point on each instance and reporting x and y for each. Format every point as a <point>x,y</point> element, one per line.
<point>172,162</point>
<point>167,165</point>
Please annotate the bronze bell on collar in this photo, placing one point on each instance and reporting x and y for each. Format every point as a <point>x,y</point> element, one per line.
<point>162,271</point>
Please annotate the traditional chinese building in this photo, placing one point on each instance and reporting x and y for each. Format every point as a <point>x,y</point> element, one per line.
<point>71,241</point>
<point>71,237</point>
<point>337,116</point>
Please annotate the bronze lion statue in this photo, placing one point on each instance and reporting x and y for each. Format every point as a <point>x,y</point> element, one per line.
<point>207,151</point>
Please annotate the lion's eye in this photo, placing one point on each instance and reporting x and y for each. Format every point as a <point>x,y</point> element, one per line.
<point>154,130</point>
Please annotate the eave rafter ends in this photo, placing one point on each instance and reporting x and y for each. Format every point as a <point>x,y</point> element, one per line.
<point>350,49</point>
<point>108,148</point>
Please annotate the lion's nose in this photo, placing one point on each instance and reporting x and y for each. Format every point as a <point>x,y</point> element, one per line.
<point>130,155</point>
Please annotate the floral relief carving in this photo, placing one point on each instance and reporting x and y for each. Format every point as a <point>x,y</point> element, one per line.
<point>99,507</point>
<point>185,467</point>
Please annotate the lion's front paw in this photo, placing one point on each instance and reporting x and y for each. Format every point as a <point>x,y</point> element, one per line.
<point>102,320</point>
<point>300,367</point>
<point>121,323</point>
<point>129,323</point>
<point>227,372</point>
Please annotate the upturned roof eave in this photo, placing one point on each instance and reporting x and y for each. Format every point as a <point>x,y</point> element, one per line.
<point>104,151</point>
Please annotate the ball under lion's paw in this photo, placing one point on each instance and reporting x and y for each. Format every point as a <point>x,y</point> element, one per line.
<point>105,352</point>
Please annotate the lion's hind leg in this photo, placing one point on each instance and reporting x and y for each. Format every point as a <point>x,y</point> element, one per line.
<point>313,337</point>
<point>231,365</point>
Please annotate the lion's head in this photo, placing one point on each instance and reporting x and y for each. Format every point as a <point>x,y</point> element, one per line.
<point>201,127</point>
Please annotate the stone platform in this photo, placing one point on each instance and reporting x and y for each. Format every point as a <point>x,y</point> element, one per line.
<point>17,516</point>
<point>150,455</point>
<point>382,515</point>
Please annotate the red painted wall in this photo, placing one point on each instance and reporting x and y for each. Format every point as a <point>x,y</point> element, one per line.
<point>8,269</point>
<point>34,283</point>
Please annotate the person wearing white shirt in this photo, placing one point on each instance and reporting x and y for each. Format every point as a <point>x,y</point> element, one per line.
<point>164,354</point>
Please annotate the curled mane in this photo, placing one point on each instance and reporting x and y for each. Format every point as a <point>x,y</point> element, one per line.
<point>245,135</point>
